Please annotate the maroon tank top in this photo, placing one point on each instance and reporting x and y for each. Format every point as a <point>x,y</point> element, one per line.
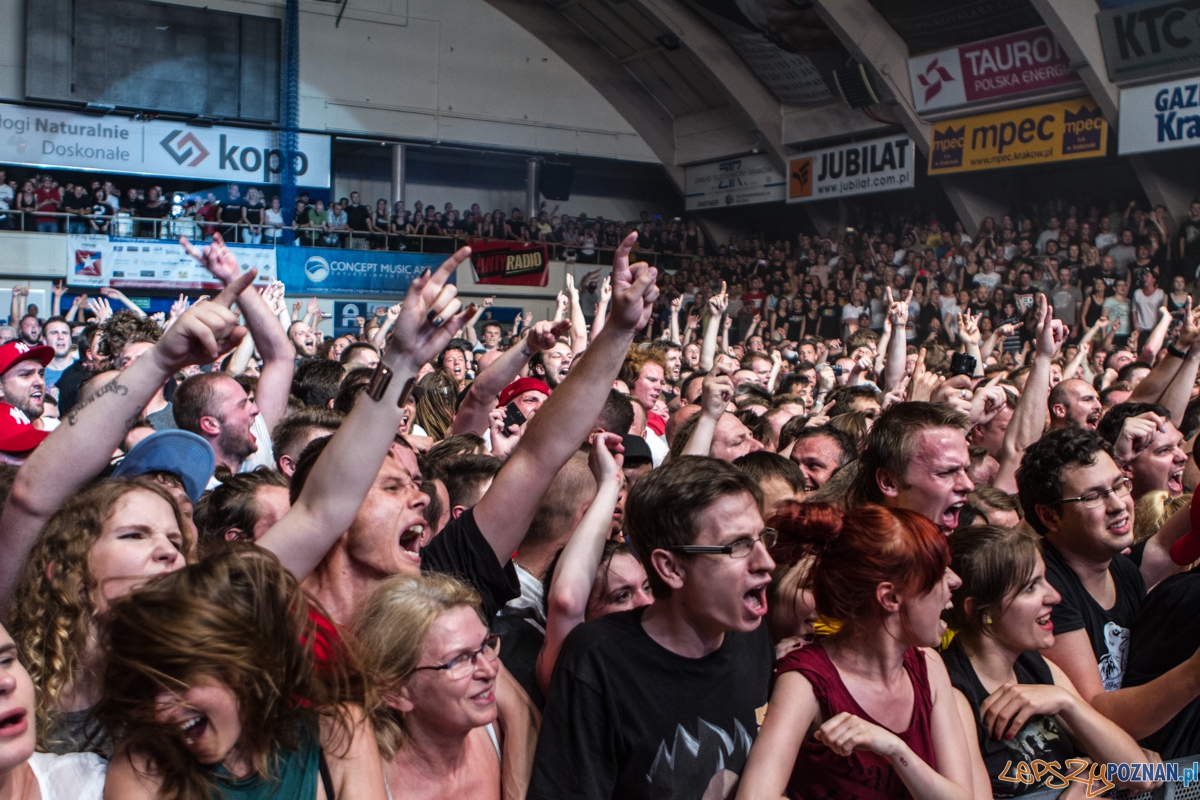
<point>820,773</point>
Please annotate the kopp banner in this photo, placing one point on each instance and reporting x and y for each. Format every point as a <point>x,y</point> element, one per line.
<point>510,263</point>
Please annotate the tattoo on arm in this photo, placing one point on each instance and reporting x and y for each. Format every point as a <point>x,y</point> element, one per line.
<point>112,387</point>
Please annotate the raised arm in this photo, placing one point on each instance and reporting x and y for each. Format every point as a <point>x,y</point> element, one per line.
<point>1158,335</point>
<point>716,392</point>
<point>278,354</point>
<point>898,346</point>
<point>577,565</point>
<point>602,306</point>
<point>1179,391</point>
<point>380,336</point>
<point>345,471</point>
<point>474,414</point>
<point>1028,421</point>
<point>676,305</point>
<point>119,296</point>
<point>80,448</point>
<point>716,308</point>
<point>564,421</point>
<point>578,323</point>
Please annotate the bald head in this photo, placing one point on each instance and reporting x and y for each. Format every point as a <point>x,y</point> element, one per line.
<point>1074,404</point>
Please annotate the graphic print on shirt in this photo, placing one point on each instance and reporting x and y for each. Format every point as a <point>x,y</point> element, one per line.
<point>1041,738</point>
<point>1112,666</point>
<point>702,767</point>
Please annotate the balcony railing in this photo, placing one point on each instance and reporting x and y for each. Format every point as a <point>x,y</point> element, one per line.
<point>126,225</point>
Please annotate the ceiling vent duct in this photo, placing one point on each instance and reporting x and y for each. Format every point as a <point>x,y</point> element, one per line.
<point>855,85</point>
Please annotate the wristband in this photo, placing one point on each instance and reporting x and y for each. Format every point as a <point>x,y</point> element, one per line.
<point>380,380</point>
<point>1175,351</point>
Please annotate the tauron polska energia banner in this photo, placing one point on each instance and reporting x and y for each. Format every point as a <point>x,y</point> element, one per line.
<point>510,263</point>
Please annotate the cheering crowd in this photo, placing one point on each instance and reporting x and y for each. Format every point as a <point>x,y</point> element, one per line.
<point>900,512</point>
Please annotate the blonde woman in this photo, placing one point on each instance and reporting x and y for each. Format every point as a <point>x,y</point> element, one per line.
<point>434,663</point>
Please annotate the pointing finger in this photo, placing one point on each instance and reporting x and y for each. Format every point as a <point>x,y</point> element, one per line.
<point>230,293</point>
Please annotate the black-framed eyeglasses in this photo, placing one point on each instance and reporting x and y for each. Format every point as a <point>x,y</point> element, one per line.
<point>463,665</point>
<point>739,549</point>
<point>1095,499</point>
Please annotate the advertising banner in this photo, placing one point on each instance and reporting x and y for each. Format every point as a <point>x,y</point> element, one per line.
<point>879,165</point>
<point>1033,135</point>
<point>733,182</point>
<point>376,273</point>
<point>346,314</point>
<point>510,263</point>
<point>62,139</point>
<point>1162,116</point>
<point>1151,40</point>
<point>1016,64</point>
<point>123,263</point>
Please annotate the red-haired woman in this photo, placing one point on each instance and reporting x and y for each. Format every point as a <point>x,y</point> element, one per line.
<point>868,712</point>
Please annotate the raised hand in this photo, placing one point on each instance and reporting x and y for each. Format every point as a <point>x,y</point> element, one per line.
<point>216,258</point>
<point>606,458</point>
<point>606,290</point>
<point>634,290</point>
<point>544,334</point>
<point>179,306</point>
<point>897,309</point>
<point>571,290</point>
<point>968,328</point>
<point>1189,330</point>
<point>314,306</point>
<point>717,391</point>
<point>1136,435</point>
<point>676,304</point>
<point>693,322</point>
<point>205,331</point>
<point>101,308</point>
<point>1049,334</point>
<point>719,302</point>
<point>431,314</point>
<point>393,312</point>
<point>487,301</point>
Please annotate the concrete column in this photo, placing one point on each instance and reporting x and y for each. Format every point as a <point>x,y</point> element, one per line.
<point>1073,23</point>
<point>533,174</point>
<point>973,197</point>
<point>397,173</point>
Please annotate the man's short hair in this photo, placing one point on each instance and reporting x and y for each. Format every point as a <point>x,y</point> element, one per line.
<point>788,383</point>
<point>1039,478</point>
<point>751,394</point>
<point>982,499</point>
<point>664,505</point>
<point>841,397</point>
<point>617,414</point>
<point>1126,372</point>
<point>761,466</point>
<point>317,381</point>
<point>196,397</point>
<point>491,323</point>
<point>57,318</point>
<point>344,358</point>
<point>353,384</point>
<point>863,337</point>
<point>464,477</point>
<point>1112,422</point>
<point>123,326</point>
<point>847,451</point>
<point>750,358</point>
<point>298,426</point>
<point>892,440</point>
<point>1116,386</point>
<point>232,504</point>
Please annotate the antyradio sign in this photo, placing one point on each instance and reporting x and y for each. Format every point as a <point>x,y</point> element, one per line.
<point>1022,62</point>
<point>324,271</point>
<point>880,165</point>
<point>1034,135</point>
<point>45,138</point>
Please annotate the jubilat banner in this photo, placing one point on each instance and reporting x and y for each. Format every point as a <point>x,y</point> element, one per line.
<point>374,273</point>
<point>879,165</point>
<point>1034,135</point>
<point>1162,116</point>
<point>95,261</point>
<point>40,137</point>
<point>1019,63</point>
<point>733,182</point>
<point>510,263</point>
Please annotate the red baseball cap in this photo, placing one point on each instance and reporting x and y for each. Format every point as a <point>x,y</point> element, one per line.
<point>17,434</point>
<point>520,386</point>
<point>15,352</point>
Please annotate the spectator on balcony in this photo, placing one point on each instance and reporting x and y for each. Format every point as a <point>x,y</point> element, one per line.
<point>379,224</point>
<point>7,197</point>
<point>273,225</point>
<point>232,213</point>
<point>100,215</point>
<point>27,204</point>
<point>49,199</point>
<point>252,216</point>
<point>311,222</point>
<point>358,217</point>
<point>153,209</point>
<point>79,206</point>
<point>335,226</point>
<point>493,227</point>
<point>516,228</point>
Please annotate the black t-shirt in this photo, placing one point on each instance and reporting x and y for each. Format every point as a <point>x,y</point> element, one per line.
<point>1041,738</point>
<point>1189,234</point>
<point>356,217</point>
<point>521,639</point>
<point>829,322</point>
<point>1108,629</point>
<point>627,718</point>
<point>1164,635</point>
<point>460,550</point>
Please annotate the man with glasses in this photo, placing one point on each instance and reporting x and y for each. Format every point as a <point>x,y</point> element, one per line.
<point>665,700</point>
<point>1076,496</point>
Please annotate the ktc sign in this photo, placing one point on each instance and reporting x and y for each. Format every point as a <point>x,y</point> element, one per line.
<point>61,139</point>
<point>1035,135</point>
<point>879,165</point>
<point>1006,66</point>
<point>1149,40</point>
<point>1162,116</point>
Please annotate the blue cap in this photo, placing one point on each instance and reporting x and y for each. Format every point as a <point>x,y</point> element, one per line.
<point>181,453</point>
